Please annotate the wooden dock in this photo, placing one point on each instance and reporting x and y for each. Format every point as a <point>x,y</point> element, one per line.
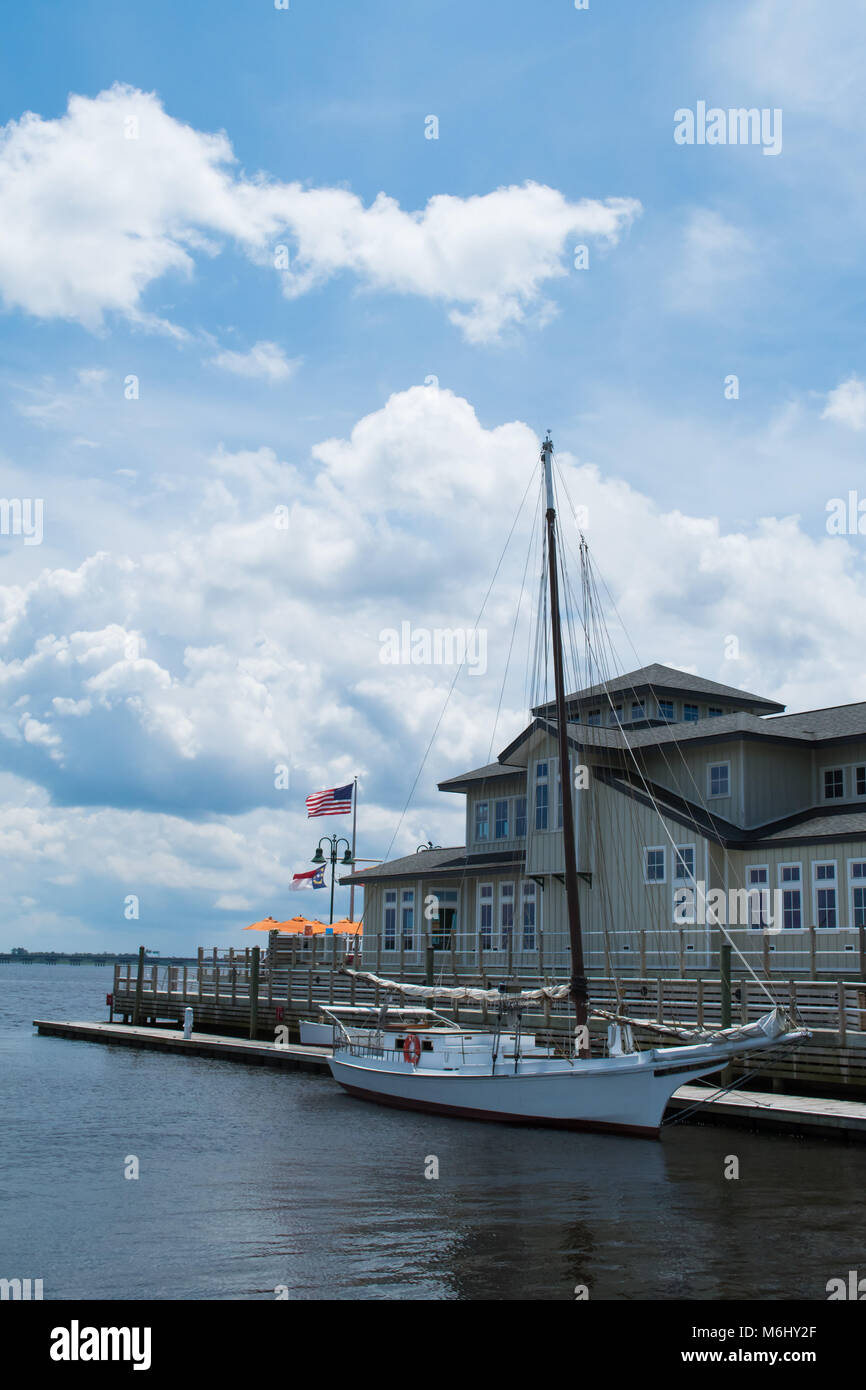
<point>809,1116</point>
<point>291,1056</point>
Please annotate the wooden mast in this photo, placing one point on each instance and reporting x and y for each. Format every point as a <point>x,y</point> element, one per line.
<point>579,991</point>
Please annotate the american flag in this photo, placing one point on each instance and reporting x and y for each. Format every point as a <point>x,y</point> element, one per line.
<point>337,801</point>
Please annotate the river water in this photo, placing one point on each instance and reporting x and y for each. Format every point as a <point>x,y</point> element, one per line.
<point>252,1181</point>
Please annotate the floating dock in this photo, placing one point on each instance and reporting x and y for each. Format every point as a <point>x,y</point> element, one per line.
<point>809,1116</point>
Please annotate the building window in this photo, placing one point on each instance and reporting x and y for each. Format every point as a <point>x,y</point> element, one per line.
<point>834,782</point>
<point>500,823</point>
<point>654,864</point>
<point>529,916</point>
<point>826,914</point>
<point>637,710</point>
<point>860,780</point>
<point>719,779</point>
<point>684,864</point>
<point>407,918</point>
<point>506,914</point>
<point>389,933</point>
<point>666,709</point>
<point>713,711</point>
<point>542,793</point>
<point>615,715</point>
<point>485,915</point>
<point>482,820</point>
<point>857,881</point>
<point>691,712</point>
<point>594,716</point>
<point>758,885</point>
<point>790,879</point>
<point>520,816</point>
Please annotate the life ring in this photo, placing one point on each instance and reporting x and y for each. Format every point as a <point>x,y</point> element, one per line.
<point>412,1049</point>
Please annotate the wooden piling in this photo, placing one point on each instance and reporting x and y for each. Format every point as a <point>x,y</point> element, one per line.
<point>254,994</point>
<point>139,986</point>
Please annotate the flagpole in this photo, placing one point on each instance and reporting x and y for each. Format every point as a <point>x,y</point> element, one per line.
<point>354,829</point>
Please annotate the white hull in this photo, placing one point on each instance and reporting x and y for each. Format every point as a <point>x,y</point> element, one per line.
<point>625,1094</point>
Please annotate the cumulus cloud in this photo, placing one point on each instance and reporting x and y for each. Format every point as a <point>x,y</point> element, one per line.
<point>98,204</point>
<point>846,404</point>
<point>175,704</point>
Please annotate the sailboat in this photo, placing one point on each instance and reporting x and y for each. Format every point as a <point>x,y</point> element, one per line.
<point>501,1073</point>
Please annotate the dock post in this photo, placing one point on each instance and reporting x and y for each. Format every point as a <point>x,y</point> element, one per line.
<point>725,980</point>
<point>725,1001</point>
<point>254,994</point>
<point>139,983</point>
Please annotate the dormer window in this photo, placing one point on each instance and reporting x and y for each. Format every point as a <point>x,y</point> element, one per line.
<point>666,709</point>
<point>615,717</point>
<point>637,710</point>
<point>714,711</point>
<point>834,783</point>
<point>594,716</point>
<point>691,712</point>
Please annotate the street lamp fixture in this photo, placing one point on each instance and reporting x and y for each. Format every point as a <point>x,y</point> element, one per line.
<point>333,842</point>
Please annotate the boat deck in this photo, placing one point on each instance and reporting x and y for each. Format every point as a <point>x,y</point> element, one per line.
<point>810,1116</point>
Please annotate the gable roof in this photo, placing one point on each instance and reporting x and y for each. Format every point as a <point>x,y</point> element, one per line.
<point>479,774</point>
<point>666,678</point>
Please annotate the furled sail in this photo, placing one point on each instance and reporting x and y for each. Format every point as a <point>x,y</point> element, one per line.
<point>773,1024</point>
<point>462,994</point>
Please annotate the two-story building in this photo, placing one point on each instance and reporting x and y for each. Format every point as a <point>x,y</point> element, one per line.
<point>680,782</point>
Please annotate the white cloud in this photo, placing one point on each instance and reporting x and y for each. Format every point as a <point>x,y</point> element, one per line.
<point>264,360</point>
<point>846,404</point>
<point>90,218</point>
<point>165,686</point>
<point>715,257</point>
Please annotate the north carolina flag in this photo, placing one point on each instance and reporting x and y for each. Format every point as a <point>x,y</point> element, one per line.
<point>315,878</point>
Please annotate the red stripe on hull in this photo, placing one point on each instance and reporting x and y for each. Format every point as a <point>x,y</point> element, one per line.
<point>464,1113</point>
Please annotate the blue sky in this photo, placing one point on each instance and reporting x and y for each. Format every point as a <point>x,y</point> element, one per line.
<point>166,645</point>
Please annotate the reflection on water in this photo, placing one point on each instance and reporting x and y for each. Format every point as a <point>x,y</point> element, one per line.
<point>251,1179</point>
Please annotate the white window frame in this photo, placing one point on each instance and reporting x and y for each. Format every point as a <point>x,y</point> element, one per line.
<point>753,903</point>
<point>537,782</point>
<point>509,819</point>
<point>824,883</point>
<point>529,893</point>
<point>476,805</point>
<point>402,938</point>
<point>791,885</point>
<point>833,767</point>
<point>718,796</point>
<point>856,767</point>
<point>491,903</point>
<point>525,800</point>
<point>684,878</point>
<point>395,906</point>
<point>852,884</point>
<point>652,849</point>
<point>500,929</point>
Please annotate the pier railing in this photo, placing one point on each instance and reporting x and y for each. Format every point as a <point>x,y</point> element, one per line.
<point>223,990</point>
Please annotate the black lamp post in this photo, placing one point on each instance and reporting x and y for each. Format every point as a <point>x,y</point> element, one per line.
<point>333,841</point>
